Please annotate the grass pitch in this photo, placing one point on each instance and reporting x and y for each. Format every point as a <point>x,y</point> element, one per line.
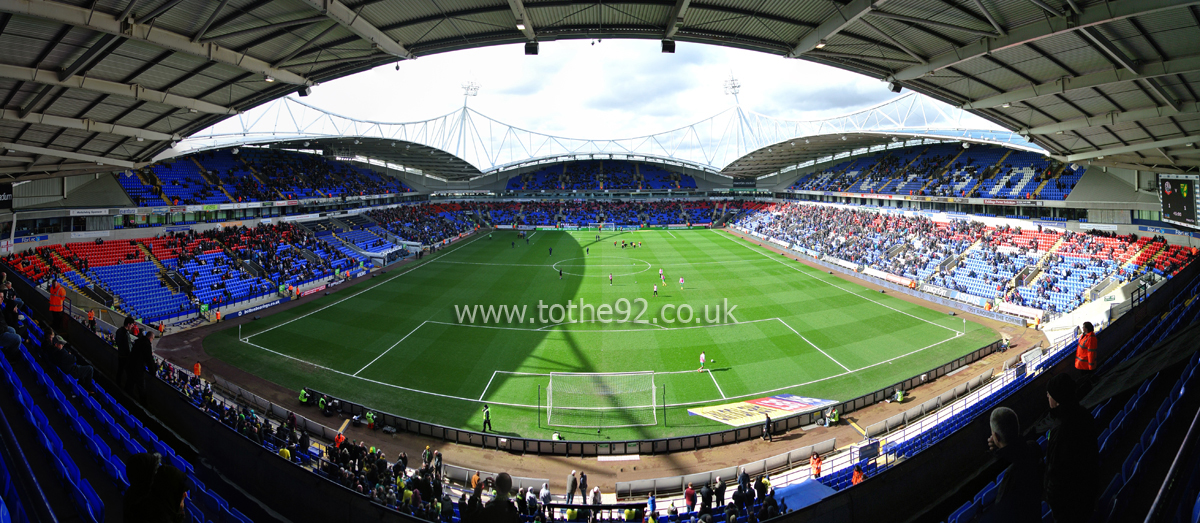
<point>396,343</point>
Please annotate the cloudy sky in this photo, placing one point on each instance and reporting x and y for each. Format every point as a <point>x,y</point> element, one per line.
<point>613,89</point>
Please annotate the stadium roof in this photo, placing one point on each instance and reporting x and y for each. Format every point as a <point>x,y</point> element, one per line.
<point>116,81</point>
<point>781,157</point>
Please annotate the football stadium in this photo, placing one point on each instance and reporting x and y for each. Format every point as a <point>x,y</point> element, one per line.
<point>943,270</point>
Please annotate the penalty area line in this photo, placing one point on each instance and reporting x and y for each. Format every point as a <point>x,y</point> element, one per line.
<point>714,378</point>
<point>489,385</point>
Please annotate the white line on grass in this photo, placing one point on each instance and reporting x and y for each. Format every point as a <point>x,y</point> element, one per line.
<point>686,404</point>
<point>814,345</point>
<point>364,290</point>
<point>389,349</point>
<point>489,384</point>
<point>531,235</point>
<point>672,235</point>
<point>496,327</point>
<point>734,239</point>
<point>714,378</point>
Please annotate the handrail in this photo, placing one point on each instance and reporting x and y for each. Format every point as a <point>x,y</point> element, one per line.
<point>1169,481</point>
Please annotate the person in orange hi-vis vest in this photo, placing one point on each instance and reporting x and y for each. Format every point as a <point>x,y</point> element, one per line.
<point>814,462</point>
<point>58,295</point>
<point>196,369</point>
<point>92,320</point>
<point>1086,359</point>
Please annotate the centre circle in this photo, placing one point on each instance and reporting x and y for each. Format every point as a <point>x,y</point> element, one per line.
<point>631,265</point>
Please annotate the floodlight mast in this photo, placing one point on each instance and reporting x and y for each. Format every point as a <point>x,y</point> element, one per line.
<point>470,88</point>
<point>733,87</point>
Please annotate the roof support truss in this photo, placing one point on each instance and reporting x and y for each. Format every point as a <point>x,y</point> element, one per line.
<point>1144,71</point>
<point>846,16</point>
<point>1171,142</point>
<point>1114,118</point>
<point>68,155</point>
<point>94,53</point>
<point>83,125</point>
<point>252,30</point>
<point>86,18</point>
<point>915,20</point>
<point>676,18</point>
<point>522,16</point>
<point>1161,92</point>
<point>134,91</point>
<point>1094,15</point>
<point>349,19</point>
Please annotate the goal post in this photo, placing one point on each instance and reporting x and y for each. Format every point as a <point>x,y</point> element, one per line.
<point>601,400</point>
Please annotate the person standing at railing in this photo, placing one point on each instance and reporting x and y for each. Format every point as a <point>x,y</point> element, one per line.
<point>1070,486</point>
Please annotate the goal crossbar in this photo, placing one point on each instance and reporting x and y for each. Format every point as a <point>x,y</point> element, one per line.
<point>601,399</point>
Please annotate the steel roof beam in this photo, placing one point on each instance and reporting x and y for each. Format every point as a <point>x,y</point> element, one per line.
<point>349,19</point>
<point>1161,92</point>
<point>252,30</point>
<point>1113,151</point>
<point>895,42</point>
<point>134,91</point>
<point>1095,15</point>
<point>83,125</point>
<point>306,45</point>
<point>522,17</point>
<point>87,19</point>
<point>990,18</point>
<point>95,52</point>
<point>676,18</point>
<point>1049,8</point>
<point>915,20</point>
<point>208,23</point>
<point>1092,37</point>
<point>844,17</point>
<point>1144,71</point>
<point>69,155</point>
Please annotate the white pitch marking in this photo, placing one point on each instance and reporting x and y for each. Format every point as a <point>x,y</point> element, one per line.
<point>814,345</point>
<point>733,238</point>
<point>714,378</point>
<point>366,289</point>
<point>687,404</point>
<point>489,385</point>
<point>389,349</point>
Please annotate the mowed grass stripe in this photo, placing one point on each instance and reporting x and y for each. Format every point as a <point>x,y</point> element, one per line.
<point>459,361</point>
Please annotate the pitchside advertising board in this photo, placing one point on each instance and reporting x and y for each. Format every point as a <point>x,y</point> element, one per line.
<point>1179,199</point>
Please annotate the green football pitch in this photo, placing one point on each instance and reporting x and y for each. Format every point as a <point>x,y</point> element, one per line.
<point>401,343</point>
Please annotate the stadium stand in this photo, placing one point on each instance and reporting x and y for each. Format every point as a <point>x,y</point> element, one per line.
<point>983,171</point>
<point>601,175</point>
<point>1059,267</point>
<point>215,177</point>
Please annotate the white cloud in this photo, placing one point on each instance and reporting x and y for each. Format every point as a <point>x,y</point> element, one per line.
<point>613,89</point>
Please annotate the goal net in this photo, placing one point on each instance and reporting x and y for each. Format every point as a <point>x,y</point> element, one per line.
<point>598,400</point>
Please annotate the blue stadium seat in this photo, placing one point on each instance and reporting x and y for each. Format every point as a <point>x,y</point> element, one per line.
<point>1129,468</point>
<point>964,513</point>
<point>1196,511</point>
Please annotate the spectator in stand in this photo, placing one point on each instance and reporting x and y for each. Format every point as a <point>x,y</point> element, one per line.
<point>499,510</point>
<point>1071,485</point>
<point>140,470</point>
<point>572,485</point>
<point>124,346</point>
<point>167,495</point>
<point>67,362</point>
<point>689,498</point>
<point>1018,496</point>
<point>9,338</point>
<point>143,361</point>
